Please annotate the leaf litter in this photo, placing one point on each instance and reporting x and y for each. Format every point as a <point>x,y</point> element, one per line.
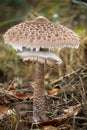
<point>66,104</point>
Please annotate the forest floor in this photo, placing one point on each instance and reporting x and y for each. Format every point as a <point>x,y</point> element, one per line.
<point>65,85</point>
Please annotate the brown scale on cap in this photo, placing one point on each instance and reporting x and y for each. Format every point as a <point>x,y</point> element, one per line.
<point>39,34</point>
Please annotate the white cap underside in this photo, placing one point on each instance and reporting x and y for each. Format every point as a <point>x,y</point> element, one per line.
<point>44,55</point>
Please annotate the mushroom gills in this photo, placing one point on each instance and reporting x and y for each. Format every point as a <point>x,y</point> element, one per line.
<point>40,56</point>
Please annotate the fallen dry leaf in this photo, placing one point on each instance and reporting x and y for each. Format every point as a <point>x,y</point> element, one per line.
<point>53,92</point>
<point>48,127</point>
<point>3,111</point>
<point>15,97</point>
<point>13,86</point>
<point>2,99</point>
<point>72,109</point>
<point>22,96</point>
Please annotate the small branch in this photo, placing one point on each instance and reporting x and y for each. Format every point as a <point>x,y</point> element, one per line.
<point>81,71</point>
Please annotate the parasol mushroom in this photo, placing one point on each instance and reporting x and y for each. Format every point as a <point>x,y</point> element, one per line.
<point>40,35</point>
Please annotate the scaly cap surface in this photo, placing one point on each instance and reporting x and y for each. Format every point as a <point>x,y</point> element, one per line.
<point>41,33</point>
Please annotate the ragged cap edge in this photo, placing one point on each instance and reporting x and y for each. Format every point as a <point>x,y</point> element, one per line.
<point>40,56</point>
<point>37,48</point>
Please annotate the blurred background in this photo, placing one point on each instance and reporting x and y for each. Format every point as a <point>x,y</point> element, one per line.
<point>71,13</point>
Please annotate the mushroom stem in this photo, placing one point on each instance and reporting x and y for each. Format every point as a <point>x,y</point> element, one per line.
<point>38,100</point>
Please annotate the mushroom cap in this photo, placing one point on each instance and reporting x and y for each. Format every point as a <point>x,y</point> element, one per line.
<point>42,57</point>
<point>41,33</point>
